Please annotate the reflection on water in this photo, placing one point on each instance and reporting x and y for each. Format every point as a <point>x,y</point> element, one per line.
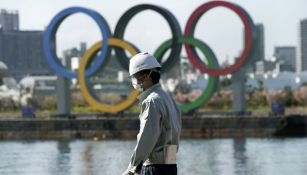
<point>240,158</point>
<point>62,158</point>
<point>210,156</point>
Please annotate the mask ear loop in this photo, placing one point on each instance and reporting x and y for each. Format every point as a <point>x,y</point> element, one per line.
<point>141,82</point>
<point>149,74</point>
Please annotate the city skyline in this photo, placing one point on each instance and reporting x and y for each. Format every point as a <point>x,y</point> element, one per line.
<point>224,36</point>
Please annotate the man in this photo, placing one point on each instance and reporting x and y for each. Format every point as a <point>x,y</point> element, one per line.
<point>160,121</point>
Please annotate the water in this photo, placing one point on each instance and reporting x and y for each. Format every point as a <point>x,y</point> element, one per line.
<point>196,157</point>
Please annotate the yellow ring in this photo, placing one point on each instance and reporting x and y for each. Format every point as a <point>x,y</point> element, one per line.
<point>81,76</point>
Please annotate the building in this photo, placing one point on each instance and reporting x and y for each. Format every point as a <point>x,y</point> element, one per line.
<point>286,57</point>
<point>260,65</point>
<point>258,52</point>
<point>21,51</point>
<point>264,66</point>
<point>301,54</point>
<point>9,20</point>
<point>260,43</point>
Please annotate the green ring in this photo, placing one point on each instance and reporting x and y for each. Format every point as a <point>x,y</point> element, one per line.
<point>212,63</point>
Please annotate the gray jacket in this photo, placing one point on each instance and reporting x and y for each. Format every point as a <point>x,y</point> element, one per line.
<point>160,126</point>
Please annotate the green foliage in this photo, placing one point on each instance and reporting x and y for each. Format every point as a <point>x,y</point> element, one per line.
<point>48,103</point>
<point>304,84</point>
<point>77,100</point>
<point>83,109</point>
<point>220,101</point>
<point>226,82</point>
<point>288,98</point>
<point>257,99</point>
<point>7,105</point>
<point>260,84</point>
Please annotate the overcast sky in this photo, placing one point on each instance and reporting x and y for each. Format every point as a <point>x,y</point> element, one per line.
<point>220,28</point>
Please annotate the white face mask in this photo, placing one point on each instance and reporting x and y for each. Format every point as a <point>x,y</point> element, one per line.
<point>139,85</point>
<point>136,85</point>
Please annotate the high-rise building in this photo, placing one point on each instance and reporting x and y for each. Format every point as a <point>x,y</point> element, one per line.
<point>258,50</point>
<point>9,20</point>
<point>260,43</point>
<point>286,58</point>
<point>21,51</point>
<point>301,54</point>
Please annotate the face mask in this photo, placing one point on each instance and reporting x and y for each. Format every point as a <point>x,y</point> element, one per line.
<point>136,85</point>
<point>139,85</point>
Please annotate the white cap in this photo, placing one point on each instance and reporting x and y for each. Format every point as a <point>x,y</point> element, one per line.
<point>142,61</point>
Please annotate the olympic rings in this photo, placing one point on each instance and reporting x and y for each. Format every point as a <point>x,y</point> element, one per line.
<point>175,43</point>
<point>88,55</point>
<point>50,37</point>
<point>173,23</point>
<point>249,36</point>
<point>212,63</point>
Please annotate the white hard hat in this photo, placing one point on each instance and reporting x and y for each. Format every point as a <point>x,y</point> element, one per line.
<point>142,61</point>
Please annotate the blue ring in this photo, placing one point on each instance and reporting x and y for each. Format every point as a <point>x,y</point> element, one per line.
<point>50,37</point>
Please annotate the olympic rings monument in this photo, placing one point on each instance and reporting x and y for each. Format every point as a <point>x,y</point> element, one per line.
<point>116,41</point>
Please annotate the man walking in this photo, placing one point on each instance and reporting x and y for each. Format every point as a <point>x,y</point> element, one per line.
<point>160,121</point>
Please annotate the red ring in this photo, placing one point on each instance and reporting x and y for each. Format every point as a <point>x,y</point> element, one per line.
<point>189,31</point>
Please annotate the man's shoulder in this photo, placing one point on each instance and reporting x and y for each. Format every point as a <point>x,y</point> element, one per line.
<point>157,95</point>
<point>152,97</point>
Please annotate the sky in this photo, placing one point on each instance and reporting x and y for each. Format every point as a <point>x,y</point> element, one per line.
<point>220,28</point>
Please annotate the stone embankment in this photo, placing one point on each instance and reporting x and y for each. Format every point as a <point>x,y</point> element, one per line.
<point>100,127</point>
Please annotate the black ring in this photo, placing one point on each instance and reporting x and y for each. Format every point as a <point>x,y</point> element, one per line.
<point>171,20</point>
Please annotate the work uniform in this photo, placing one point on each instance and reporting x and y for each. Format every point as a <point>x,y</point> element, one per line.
<point>158,138</point>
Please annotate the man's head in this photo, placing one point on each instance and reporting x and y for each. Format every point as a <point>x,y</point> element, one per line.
<point>144,71</point>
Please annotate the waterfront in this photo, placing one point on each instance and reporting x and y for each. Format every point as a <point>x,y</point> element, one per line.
<point>255,156</point>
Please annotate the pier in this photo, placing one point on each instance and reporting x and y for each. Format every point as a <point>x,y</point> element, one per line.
<point>100,127</point>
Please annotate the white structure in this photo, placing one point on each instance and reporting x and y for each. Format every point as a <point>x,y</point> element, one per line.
<point>33,83</point>
<point>8,86</point>
<point>273,80</point>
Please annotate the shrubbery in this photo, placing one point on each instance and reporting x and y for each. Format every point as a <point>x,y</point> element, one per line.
<point>260,98</point>
<point>257,98</point>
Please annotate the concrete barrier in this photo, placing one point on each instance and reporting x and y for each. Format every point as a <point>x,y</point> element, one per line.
<point>127,127</point>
